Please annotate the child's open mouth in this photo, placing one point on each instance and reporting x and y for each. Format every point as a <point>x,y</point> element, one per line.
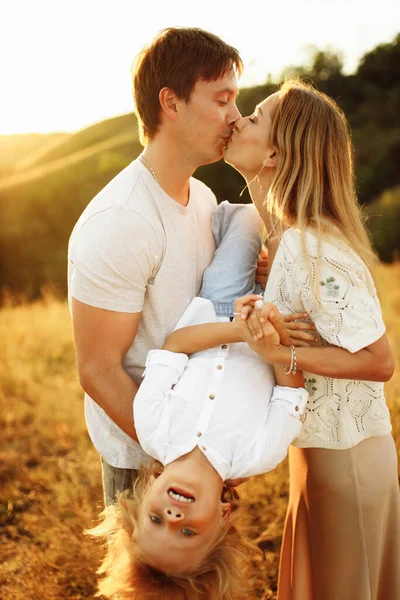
<point>180,495</point>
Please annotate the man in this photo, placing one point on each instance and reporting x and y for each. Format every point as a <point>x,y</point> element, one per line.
<point>138,252</point>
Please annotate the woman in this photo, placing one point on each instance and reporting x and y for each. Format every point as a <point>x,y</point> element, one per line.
<point>342,531</point>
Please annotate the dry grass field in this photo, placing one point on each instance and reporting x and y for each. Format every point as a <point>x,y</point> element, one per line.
<point>50,474</point>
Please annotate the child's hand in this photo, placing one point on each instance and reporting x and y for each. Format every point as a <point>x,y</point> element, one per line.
<point>243,308</point>
<point>265,324</point>
<point>295,333</point>
<point>244,305</point>
<point>248,325</point>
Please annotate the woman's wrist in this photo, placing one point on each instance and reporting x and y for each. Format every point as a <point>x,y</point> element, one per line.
<point>278,355</point>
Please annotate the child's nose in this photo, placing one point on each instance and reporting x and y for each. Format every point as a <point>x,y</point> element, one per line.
<point>173,514</point>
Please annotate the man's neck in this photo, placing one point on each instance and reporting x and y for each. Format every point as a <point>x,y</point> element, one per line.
<point>171,169</point>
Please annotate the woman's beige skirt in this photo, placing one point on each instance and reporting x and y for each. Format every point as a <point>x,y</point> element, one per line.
<point>342,530</point>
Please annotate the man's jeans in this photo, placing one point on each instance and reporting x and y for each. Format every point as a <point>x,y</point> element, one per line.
<point>116,480</point>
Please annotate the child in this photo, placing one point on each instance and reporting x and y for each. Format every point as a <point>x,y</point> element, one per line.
<point>208,419</point>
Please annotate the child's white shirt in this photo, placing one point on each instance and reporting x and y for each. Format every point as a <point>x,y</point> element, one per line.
<point>223,400</point>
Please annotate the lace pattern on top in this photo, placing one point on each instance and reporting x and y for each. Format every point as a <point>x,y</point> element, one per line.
<point>333,285</point>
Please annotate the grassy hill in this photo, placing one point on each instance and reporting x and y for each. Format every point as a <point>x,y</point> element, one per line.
<point>41,202</point>
<point>98,133</point>
<point>15,148</point>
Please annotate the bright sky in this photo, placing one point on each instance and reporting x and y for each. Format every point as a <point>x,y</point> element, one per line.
<point>66,63</point>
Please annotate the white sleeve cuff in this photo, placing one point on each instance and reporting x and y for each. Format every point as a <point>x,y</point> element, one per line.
<point>294,399</point>
<point>166,358</point>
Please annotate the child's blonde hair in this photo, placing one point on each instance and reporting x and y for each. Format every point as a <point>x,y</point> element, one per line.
<point>222,575</point>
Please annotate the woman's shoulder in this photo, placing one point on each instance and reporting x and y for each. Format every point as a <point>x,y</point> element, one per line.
<point>329,246</point>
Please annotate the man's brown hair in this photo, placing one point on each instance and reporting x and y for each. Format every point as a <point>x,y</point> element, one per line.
<point>177,58</point>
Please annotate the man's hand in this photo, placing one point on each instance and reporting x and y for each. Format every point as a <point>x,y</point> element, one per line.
<point>262,268</point>
<point>236,482</point>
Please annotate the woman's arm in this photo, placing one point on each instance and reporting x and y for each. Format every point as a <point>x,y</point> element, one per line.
<point>285,380</point>
<point>201,337</point>
<point>375,362</point>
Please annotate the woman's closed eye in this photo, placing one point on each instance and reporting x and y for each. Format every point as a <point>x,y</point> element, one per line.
<point>253,119</point>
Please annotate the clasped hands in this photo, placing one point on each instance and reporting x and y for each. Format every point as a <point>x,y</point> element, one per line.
<point>266,330</point>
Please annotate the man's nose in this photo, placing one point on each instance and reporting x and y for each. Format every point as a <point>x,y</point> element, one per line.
<point>235,116</point>
<point>238,124</point>
<point>173,514</point>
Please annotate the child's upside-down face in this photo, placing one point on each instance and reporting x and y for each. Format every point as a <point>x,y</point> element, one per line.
<point>180,517</point>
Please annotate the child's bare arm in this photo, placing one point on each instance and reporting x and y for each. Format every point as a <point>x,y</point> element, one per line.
<point>201,337</point>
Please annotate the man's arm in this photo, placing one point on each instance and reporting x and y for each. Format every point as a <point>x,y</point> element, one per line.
<point>102,339</point>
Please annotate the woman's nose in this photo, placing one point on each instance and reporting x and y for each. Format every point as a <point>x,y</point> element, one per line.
<point>173,514</point>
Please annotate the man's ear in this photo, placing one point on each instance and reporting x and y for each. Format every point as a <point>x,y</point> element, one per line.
<point>168,101</point>
<point>271,159</point>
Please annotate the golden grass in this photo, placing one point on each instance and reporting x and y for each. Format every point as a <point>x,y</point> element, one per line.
<point>50,474</point>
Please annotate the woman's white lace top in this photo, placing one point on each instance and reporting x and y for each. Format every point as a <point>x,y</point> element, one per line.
<point>333,285</point>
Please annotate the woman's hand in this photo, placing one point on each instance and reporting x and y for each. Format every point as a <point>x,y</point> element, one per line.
<point>300,333</point>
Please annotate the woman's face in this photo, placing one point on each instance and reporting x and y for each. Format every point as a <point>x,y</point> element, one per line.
<point>249,151</point>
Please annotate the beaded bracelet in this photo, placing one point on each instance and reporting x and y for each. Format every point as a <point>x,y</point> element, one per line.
<point>292,369</point>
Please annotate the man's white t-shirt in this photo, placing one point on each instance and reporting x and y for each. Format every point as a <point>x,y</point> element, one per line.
<point>136,249</point>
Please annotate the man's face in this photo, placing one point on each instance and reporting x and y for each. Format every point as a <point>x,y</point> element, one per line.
<point>207,120</point>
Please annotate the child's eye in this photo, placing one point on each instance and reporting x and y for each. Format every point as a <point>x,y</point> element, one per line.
<point>155,519</point>
<point>188,532</point>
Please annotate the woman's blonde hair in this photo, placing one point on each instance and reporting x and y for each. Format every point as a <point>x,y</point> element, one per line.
<point>223,575</point>
<point>313,185</point>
